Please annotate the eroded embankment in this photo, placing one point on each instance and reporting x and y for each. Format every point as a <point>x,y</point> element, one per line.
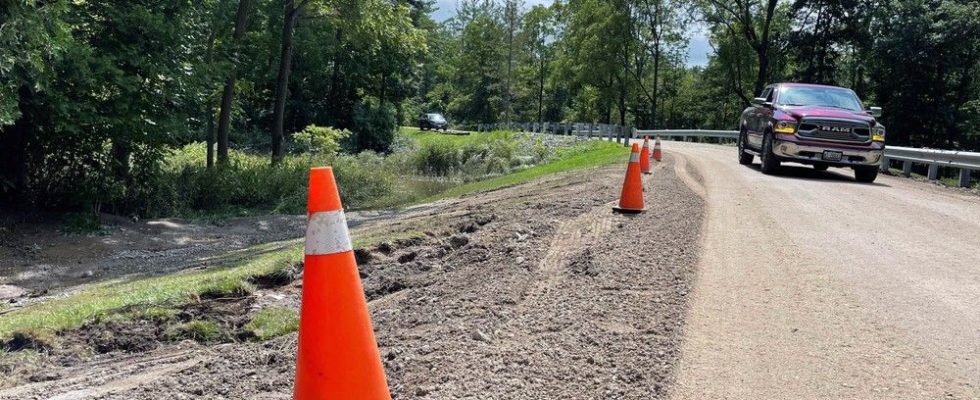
<point>534,291</point>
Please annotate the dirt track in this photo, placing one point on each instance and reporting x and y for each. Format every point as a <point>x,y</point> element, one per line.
<point>536,291</point>
<point>812,286</point>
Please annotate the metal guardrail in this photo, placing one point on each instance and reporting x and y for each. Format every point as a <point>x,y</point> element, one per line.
<point>588,130</point>
<point>686,133</point>
<point>963,160</point>
<point>933,158</point>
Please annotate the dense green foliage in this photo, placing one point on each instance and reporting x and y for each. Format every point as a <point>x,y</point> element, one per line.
<point>94,96</point>
<point>421,165</point>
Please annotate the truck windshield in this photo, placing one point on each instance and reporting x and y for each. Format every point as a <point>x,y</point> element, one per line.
<point>818,96</point>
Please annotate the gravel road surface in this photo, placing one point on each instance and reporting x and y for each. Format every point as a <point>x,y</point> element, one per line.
<point>812,286</point>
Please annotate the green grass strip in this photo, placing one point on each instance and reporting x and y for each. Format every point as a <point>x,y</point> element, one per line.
<point>602,154</point>
<point>106,298</point>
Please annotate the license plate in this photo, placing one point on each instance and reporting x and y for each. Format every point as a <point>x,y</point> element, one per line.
<point>829,155</point>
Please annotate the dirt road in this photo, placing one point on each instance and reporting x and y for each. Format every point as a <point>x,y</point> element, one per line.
<point>811,286</point>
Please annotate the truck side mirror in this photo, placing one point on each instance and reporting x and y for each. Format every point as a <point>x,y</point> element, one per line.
<point>875,111</point>
<point>760,101</point>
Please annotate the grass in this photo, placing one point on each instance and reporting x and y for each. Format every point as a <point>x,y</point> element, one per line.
<point>599,154</point>
<point>200,330</point>
<point>272,322</point>
<point>172,290</point>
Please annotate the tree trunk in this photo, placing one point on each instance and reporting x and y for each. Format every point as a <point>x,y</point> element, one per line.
<point>760,81</point>
<point>656,85</point>
<point>334,107</point>
<point>290,16</point>
<point>14,151</point>
<point>120,160</point>
<point>210,140</point>
<point>224,117</point>
<point>510,56</point>
<point>209,133</point>
<point>540,88</point>
<point>762,48</point>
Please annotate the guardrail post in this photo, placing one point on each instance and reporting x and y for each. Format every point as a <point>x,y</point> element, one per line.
<point>964,177</point>
<point>933,172</point>
<point>884,164</point>
<point>906,169</point>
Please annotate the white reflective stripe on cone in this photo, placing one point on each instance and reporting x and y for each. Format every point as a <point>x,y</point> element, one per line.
<point>326,233</point>
<point>634,157</point>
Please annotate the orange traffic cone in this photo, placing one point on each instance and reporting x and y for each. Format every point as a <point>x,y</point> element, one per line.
<point>338,356</point>
<point>656,150</point>
<point>645,156</point>
<point>631,200</point>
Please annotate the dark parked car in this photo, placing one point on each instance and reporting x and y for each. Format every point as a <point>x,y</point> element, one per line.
<point>433,121</point>
<point>823,126</point>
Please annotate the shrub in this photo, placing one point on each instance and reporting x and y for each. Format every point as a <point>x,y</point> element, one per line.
<point>363,179</point>
<point>438,158</point>
<point>320,139</point>
<point>374,126</point>
<point>250,182</point>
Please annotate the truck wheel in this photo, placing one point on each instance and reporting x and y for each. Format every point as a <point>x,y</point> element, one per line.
<point>770,164</point>
<point>820,167</point>
<point>865,174</point>
<point>743,157</point>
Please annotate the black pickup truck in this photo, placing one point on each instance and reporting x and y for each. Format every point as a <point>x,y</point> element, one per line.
<point>823,126</point>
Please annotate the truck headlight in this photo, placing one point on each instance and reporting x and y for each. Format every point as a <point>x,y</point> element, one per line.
<point>878,134</point>
<point>785,127</point>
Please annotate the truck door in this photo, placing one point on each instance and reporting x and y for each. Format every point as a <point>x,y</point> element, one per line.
<point>759,119</point>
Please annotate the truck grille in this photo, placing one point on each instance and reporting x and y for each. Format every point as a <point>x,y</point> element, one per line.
<point>835,130</point>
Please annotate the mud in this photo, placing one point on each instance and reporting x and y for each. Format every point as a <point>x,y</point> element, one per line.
<point>535,291</point>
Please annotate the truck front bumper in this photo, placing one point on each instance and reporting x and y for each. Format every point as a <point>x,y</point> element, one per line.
<point>810,154</point>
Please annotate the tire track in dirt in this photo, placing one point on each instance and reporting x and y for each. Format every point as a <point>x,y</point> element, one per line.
<point>108,376</point>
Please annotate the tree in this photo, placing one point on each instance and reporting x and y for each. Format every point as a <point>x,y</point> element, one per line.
<point>925,65</point>
<point>512,17</point>
<point>229,90</point>
<point>537,30</point>
<point>752,20</point>
<point>660,26</point>
<point>291,13</point>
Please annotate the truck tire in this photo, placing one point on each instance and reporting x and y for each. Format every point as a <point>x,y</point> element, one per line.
<point>743,157</point>
<point>865,174</point>
<point>770,164</point>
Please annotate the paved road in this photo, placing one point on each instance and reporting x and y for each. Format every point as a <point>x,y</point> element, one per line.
<point>812,286</point>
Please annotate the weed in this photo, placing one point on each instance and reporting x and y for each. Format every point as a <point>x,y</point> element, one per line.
<point>272,322</point>
<point>226,288</point>
<point>200,330</point>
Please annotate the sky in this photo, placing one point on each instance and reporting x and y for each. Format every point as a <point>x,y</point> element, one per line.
<point>697,49</point>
